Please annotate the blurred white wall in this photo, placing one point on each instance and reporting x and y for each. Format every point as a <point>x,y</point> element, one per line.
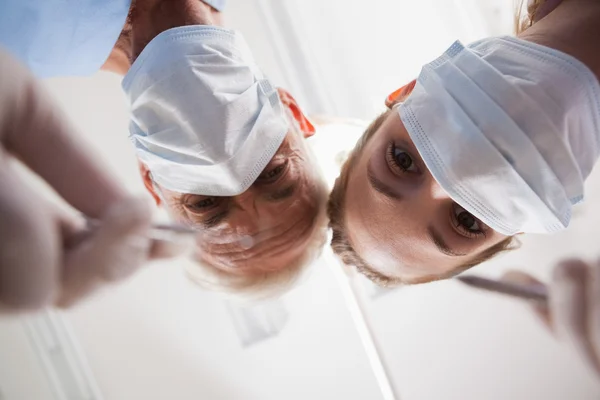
<point>343,57</point>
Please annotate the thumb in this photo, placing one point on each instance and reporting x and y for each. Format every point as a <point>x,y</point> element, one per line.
<point>35,131</point>
<point>117,248</point>
<point>523,278</point>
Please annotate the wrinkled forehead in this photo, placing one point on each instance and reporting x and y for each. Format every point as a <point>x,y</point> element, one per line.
<point>267,249</point>
<point>261,242</point>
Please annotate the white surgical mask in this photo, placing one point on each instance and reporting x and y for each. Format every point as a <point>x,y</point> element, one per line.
<point>204,120</point>
<point>509,129</point>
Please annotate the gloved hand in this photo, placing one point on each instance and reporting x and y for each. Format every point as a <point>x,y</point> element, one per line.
<point>573,311</point>
<point>47,255</point>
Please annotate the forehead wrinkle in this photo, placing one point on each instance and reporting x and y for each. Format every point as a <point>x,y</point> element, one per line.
<point>295,235</point>
<point>288,240</point>
<point>230,232</point>
<point>295,239</point>
<point>283,226</point>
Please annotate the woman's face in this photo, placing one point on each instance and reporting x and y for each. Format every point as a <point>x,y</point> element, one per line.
<point>398,218</point>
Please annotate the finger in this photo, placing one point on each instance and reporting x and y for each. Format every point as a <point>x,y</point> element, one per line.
<point>540,310</point>
<point>119,246</point>
<point>38,134</point>
<point>593,293</point>
<point>29,246</point>
<point>70,224</point>
<point>569,307</point>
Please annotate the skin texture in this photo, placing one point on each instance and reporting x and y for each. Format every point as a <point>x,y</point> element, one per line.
<point>268,226</point>
<point>392,232</point>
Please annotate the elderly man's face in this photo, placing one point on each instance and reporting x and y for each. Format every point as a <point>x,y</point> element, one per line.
<point>269,225</point>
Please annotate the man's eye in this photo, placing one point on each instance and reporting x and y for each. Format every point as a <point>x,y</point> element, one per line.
<point>400,160</point>
<point>273,173</point>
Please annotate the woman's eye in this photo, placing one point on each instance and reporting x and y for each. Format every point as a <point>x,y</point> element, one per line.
<point>273,173</point>
<point>400,159</point>
<point>465,220</point>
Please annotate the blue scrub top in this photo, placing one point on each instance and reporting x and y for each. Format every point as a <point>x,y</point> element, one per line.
<point>64,37</point>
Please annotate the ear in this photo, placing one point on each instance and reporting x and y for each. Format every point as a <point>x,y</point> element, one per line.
<point>148,183</point>
<point>400,95</point>
<point>288,101</point>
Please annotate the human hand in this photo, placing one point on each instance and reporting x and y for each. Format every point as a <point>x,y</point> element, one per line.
<point>573,310</point>
<point>47,255</point>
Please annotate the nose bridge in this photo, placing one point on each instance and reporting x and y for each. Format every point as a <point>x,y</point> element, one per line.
<point>431,199</point>
<point>435,190</point>
<point>249,216</point>
<point>245,201</point>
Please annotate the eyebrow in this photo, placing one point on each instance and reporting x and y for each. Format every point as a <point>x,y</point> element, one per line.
<point>216,219</point>
<point>282,194</point>
<point>279,195</point>
<point>441,244</point>
<point>380,186</point>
